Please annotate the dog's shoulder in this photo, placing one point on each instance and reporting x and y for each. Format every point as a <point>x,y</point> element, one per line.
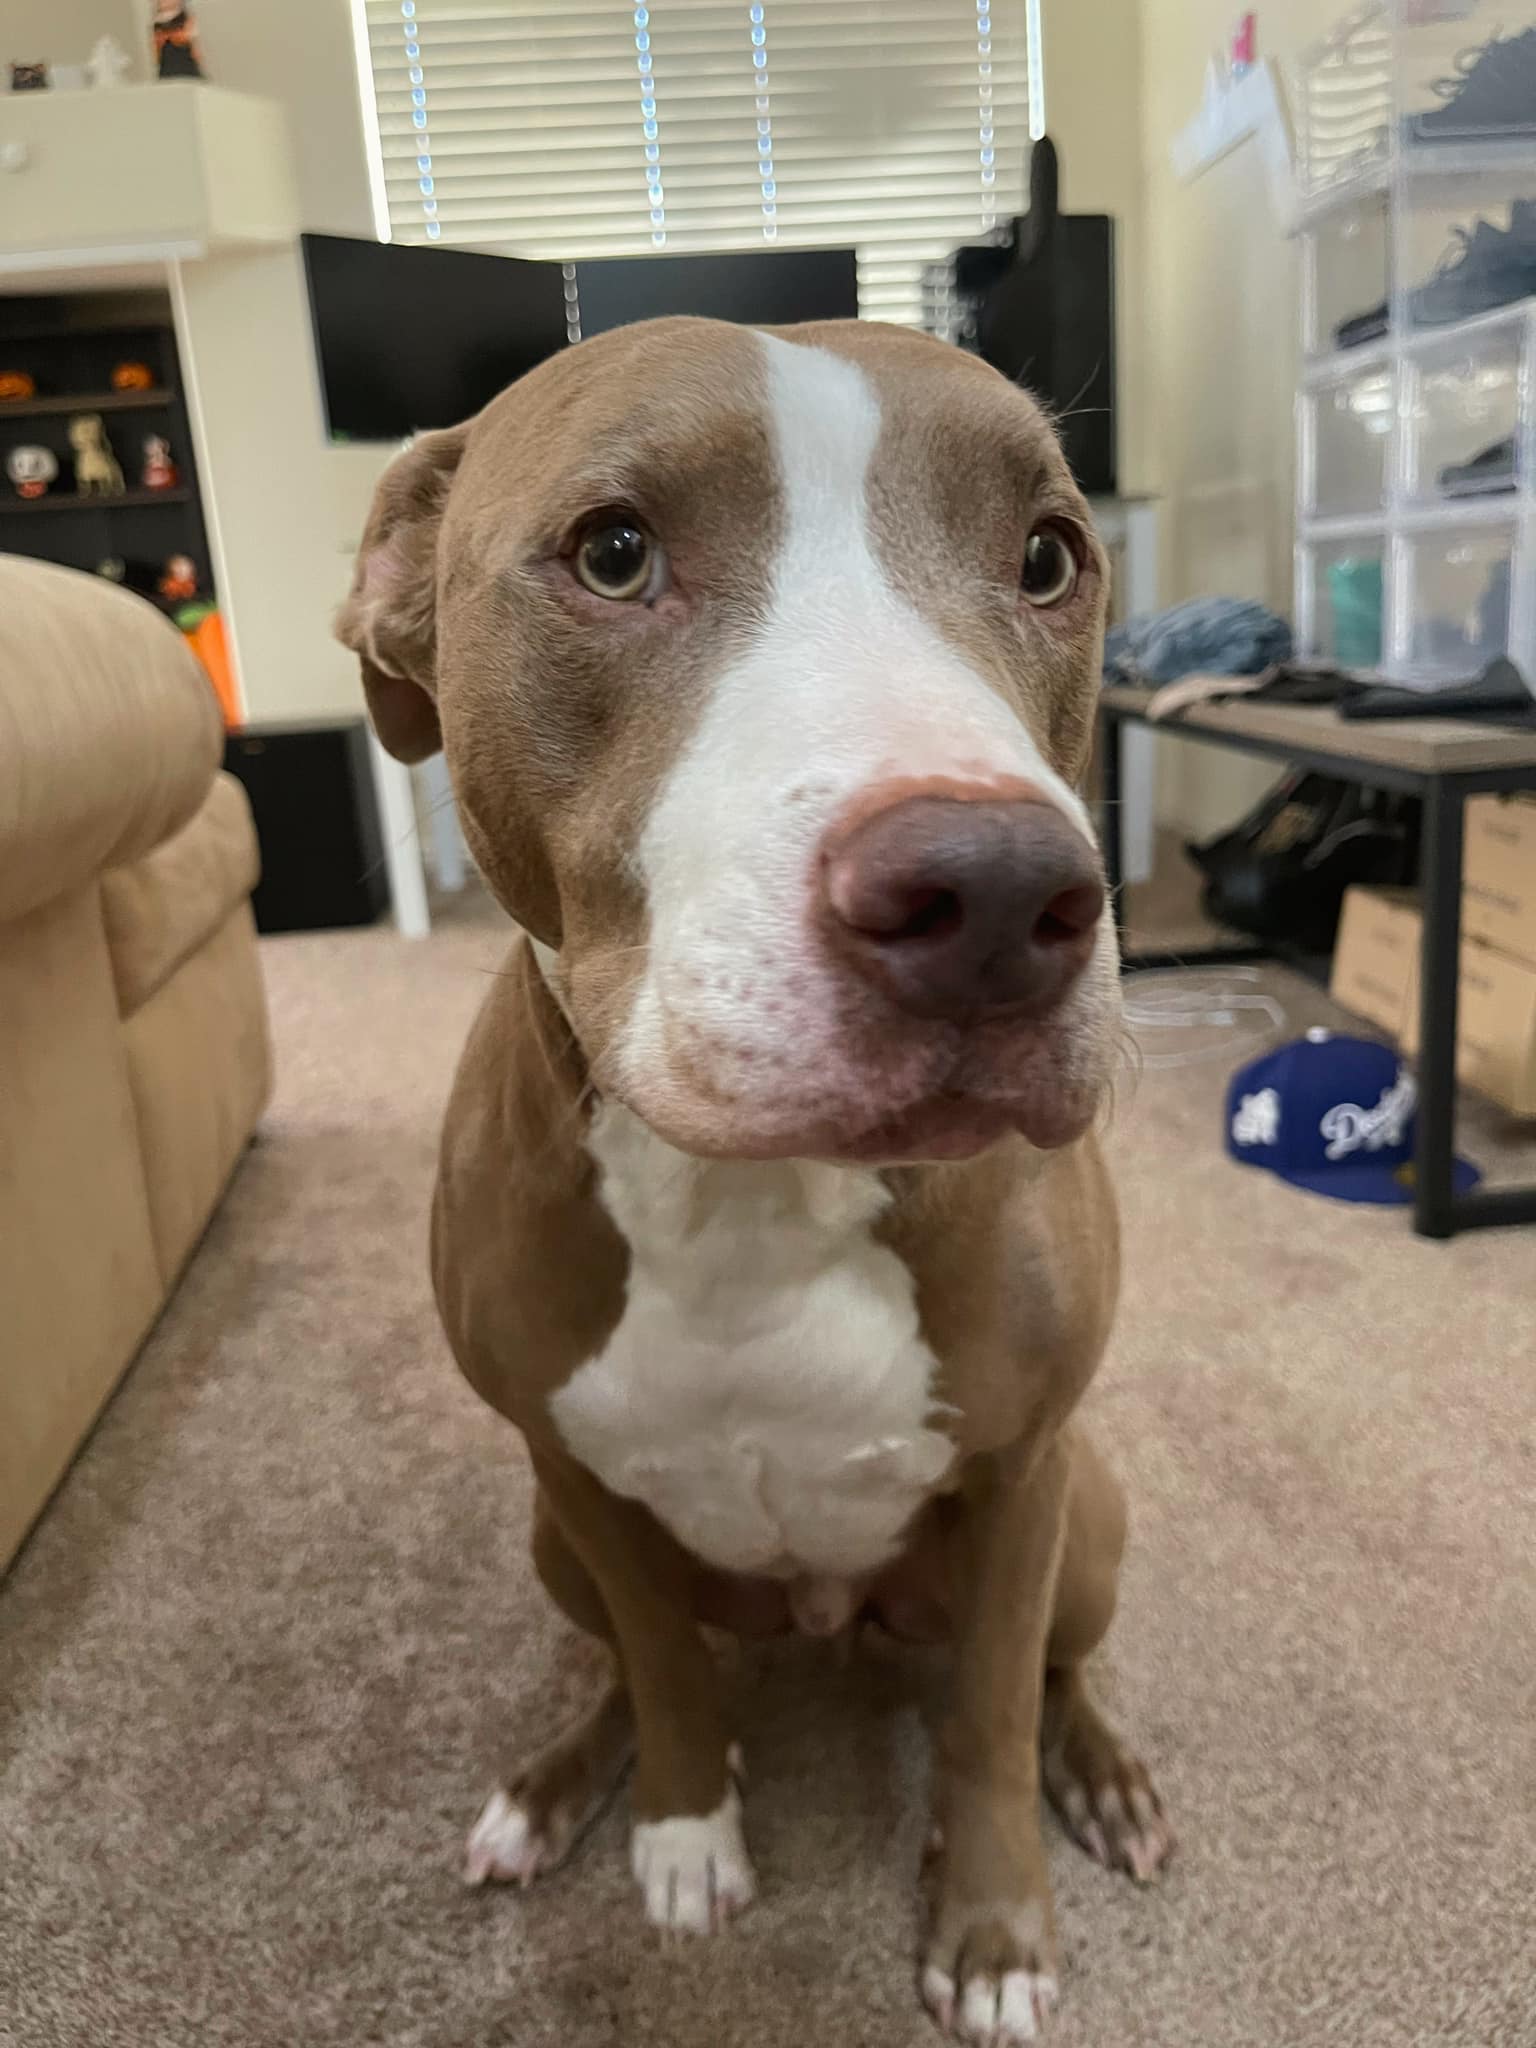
<point>529,1270</point>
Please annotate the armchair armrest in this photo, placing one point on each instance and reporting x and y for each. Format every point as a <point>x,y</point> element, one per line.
<point>109,733</point>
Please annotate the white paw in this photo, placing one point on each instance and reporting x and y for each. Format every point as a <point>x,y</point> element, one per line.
<point>695,1873</point>
<point>992,2012</point>
<point>504,1845</point>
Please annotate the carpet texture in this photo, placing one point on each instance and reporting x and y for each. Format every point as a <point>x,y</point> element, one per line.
<point>277,1635</point>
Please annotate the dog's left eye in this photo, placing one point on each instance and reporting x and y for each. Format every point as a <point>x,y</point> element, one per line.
<point>1050,571</point>
<point>618,560</point>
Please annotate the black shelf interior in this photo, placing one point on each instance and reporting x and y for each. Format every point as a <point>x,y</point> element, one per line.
<point>70,344</point>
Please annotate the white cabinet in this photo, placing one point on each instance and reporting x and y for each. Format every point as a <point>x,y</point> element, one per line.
<point>182,164</point>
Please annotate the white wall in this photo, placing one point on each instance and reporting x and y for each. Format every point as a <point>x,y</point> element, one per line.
<point>1221,322</point>
<point>300,52</point>
<point>1093,109</point>
<point>65,31</point>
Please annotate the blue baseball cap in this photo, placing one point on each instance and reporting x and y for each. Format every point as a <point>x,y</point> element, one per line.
<point>1333,1114</point>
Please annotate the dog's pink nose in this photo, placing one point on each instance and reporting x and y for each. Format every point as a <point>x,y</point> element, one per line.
<point>956,907</point>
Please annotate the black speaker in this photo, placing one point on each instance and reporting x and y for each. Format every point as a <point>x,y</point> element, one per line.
<point>322,852</point>
<point>1039,305</point>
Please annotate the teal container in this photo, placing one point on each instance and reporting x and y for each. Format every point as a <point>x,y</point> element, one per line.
<point>1354,592</point>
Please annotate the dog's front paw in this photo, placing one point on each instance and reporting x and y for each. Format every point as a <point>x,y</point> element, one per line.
<point>694,1871</point>
<point>509,1844</point>
<point>989,1974</point>
<point>1105,1798</point>
<point>531,1825</point>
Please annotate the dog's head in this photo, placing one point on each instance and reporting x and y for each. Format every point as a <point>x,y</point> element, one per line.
<point>765,666</point>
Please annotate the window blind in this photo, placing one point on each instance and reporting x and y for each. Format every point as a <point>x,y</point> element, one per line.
<point>570,129</point>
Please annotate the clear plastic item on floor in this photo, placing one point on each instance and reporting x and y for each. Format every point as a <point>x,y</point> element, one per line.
<point>1184,1018</point>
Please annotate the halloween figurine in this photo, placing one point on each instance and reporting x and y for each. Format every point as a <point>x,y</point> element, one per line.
<point>132,376</point>
<point>97,474</point>
<point>31,470</point>
<point>177,54</point>
<point>178,579</point>
<point>17,384</point>
<point>159,472</point>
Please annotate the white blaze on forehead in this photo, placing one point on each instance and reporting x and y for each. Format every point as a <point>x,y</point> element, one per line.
<point>846,685</point>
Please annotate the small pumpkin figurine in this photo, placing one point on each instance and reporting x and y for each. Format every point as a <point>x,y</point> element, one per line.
<point>17,384</point>
<point>131,376</point>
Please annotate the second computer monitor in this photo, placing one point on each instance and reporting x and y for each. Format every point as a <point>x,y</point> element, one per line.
<point>758,288</point>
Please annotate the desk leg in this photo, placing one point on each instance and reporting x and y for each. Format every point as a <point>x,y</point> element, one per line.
<point>1112,823</point>
<point>1439,974</point>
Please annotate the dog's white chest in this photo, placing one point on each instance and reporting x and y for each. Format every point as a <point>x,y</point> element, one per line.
<point>767,1393</point>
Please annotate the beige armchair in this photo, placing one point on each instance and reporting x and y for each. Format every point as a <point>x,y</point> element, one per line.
<point>134,1056</point>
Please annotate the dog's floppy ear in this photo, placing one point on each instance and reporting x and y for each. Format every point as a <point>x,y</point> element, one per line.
<point>390,619</point>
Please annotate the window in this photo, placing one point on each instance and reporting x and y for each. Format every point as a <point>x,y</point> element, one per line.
<point>569,128</point>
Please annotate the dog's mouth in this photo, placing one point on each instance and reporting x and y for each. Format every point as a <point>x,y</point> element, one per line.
<point>942,1124</point>
<point>865,1092</point>
<point>958,1125</point>
<point>946,1128</point>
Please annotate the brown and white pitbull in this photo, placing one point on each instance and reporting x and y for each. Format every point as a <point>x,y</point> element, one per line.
<point>769,1206</point>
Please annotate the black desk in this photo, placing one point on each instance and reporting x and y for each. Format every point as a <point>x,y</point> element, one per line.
<point>1441,760</point>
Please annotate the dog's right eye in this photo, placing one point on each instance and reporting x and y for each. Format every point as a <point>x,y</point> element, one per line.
<point>618,560</point>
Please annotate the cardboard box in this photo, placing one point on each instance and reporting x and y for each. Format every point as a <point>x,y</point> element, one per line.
<point>1498,900</point>
<point>1376,955</point>
<point>1495,1026</point>
<point>1376,974</point>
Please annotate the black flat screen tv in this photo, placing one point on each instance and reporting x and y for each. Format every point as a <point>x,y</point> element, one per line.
<point>410,337</point>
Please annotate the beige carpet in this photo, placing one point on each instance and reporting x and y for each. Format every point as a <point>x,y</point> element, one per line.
<point>263,1657</point>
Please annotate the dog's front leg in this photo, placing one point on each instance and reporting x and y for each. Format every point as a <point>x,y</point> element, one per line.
<point>687,1848</point>
<point>989,1971</point>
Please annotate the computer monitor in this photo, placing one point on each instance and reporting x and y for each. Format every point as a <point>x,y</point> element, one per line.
<point>409,337</point>
<point>757,287</point>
